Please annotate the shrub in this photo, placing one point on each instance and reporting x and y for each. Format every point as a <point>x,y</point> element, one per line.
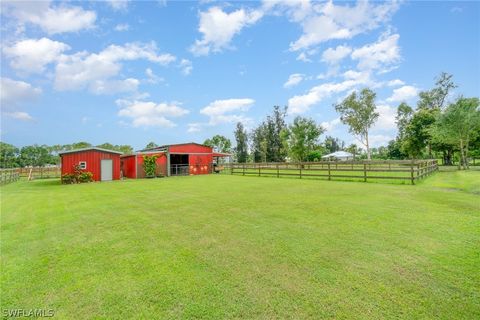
<point>78,176</point>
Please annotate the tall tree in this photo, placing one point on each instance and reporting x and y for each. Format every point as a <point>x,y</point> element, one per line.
<point>417,136</point>
<point>436,98</point>
<point>403,117</point>
<point>35,155</point>
<point>358,111</point>
<point>241,138</point>
<point>275,133</point>
<point>303,137</point>
<point>219,143</point>
<point>460,123</point>
<point>259,143</point>
<point>333,144</point>
<point>8,155</point>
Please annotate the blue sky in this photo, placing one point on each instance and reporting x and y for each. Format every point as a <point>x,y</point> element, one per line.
<point>130,72</point>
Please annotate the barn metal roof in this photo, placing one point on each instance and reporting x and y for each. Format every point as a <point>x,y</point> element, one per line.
<point>160,148</point>
<point>88,149</point>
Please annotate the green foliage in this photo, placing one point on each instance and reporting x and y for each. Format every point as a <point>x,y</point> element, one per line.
<point>303,138</point>
<point>151,145</point>
<point>269,138</point>
<point>459,124</point>
<point>417,134</point>
<point>435,99</point>
<point>8,155</point>
<point>150,165</point>
<point>403,117</point>
<point>333,144</point>
<point>315,155</point>
<point>219,143</point>
<point>78,176</point>
<point>241,149</point>
<point>125,149</point>
<point>358,112</point>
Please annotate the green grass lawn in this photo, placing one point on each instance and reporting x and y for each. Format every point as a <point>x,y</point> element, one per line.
<point>222,246</point>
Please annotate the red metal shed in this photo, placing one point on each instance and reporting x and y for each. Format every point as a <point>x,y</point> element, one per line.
<point>103,163</point>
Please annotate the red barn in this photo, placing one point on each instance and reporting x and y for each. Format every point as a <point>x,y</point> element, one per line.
<point>173,160</point>
<point>103,163</point>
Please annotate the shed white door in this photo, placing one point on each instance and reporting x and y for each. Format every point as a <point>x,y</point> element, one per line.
<point>106,170</point>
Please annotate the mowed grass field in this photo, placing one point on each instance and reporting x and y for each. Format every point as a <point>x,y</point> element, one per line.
<point>221,246</point>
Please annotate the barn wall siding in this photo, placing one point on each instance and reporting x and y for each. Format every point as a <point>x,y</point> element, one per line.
<point>128,167</point>
<point>93,159</point>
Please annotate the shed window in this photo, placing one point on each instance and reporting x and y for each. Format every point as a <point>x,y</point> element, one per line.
<point>83,165</point>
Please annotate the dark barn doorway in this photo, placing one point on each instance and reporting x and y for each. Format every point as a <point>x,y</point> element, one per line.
<point>179,165</point>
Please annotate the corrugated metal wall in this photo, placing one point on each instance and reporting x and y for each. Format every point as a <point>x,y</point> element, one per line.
<point>128,166</point>
<point>93,159</point>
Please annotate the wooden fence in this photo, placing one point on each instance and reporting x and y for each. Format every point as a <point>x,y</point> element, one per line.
<point>13,174</point>
<point>8,175</point>
<point>357,170</point>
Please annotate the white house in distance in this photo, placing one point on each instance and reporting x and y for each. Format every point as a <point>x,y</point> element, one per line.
<point>339,156</point>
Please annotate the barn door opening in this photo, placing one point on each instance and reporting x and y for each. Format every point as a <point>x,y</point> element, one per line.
<point>179,165</point>
<point>106,170</point>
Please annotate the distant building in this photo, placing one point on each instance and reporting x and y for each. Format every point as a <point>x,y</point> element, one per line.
<point>338,156</point>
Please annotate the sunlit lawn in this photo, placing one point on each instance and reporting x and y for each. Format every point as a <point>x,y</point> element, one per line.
<point>222,246</point>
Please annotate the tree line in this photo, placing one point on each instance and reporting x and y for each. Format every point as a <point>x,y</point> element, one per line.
<point>435,128</point>
<point>43,155</point>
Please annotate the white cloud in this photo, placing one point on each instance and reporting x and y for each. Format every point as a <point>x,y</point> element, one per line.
<point>329,126</point>
<point>32,55</point>
<point>227,111</point>
<point>148,114</point>
<point>114,86</point>
<point>403,94</point>
<point>186,66</point>
<point>51,19</point>
<point>328,21</point>
<point>302,103</point>
<point>20,115</point>
<point>195,127</point>
<point>333,56</point>
<point>293,80</point>
<point>152,77</point>
<point>14,93</point>
<point>377,140</point>
<point>386,118</point>
<point>118,5</point>
<point>396,82</point>
<point>86,70</point>
<point>303,57</point>
<point>218,28</point>
<point>380,54</point>
<point>122,27</point>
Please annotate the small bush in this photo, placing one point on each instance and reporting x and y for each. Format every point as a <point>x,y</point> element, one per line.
<point>78,176</point>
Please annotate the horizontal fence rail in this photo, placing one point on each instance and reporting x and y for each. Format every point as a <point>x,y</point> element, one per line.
<point>13,174</point>
<point>406,170</point>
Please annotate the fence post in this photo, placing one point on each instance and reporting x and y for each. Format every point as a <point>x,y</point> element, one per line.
<point>259,170</point>
<point>329,175</point>
<point>418,171</point>
<point>364,172</point>
<point>300,171</point>
<point>278,172</point>
<point>412,177</point>
<point>244,169</point>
